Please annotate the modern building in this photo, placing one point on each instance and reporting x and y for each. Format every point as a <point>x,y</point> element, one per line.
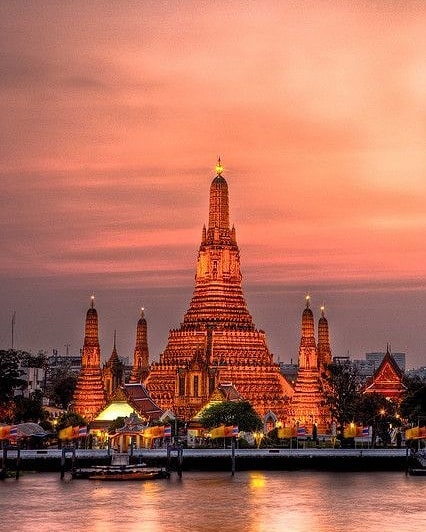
<point>377,358</point>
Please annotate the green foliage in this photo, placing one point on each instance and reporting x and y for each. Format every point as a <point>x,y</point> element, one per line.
<point>30,408</point>
<point>239,413</point>
<point>29,360</point>
<point>118,423</point>
<point>413,406</point>
<point>61,385</point>
<point>70,419</point>
<point>10,374</point>
<point>342,391</point>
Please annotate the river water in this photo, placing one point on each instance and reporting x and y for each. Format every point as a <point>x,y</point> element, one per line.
<point>253,501</point>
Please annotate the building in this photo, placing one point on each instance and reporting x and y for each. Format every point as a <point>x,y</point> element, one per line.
<point>387,380</point>
<point>113,371</point>
<point>140,368</point>
<point>376,359</point>
<point>307,408</point>
<point>89,395</point>
<point>217,342</point>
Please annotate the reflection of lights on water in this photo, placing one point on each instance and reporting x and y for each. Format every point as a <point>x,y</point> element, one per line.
<point>257,481</point>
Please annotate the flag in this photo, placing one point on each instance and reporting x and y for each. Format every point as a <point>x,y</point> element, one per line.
<point>65,434</point>
<point>365,432</point>
<point>167,431</point>
<point>301,432</point>
<point>13,431</point>
<point>82,431</point>
<point>235,431</point>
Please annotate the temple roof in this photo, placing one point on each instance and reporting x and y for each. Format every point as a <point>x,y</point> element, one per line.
<point>387,379</point>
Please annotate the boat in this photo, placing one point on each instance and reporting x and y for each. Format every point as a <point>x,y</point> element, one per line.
<point>120,469</point>
<point>120,473</point>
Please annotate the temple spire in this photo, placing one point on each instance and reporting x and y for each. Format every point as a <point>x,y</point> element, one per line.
<point>89,395</point>
<point>219,167</point>
<point>324,351</point>
<point>140,368</point>
<point>219,203</point>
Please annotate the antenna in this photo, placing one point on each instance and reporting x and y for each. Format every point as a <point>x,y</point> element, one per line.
<point>13,329</point>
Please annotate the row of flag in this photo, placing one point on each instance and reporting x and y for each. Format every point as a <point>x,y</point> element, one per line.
<point>72,433</point>
<point>224,432</point>
<point>350,431</point>
<point>8,432</point>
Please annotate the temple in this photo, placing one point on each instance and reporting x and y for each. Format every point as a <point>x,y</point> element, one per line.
<point>307,404</point>
<point>89,394</point>
<point>113,371</point>
<point>217,342</point>
<point>387,379</point>
<point>140,368</point>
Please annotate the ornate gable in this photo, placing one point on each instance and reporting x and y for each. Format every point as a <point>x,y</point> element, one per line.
<point>387,380</point>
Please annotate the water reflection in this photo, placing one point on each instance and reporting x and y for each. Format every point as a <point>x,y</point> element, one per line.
<point>209,502</point>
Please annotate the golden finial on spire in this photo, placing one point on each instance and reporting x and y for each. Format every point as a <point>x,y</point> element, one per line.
<point>308,300</point>
<point>92,301</point>
<point>219,167</point>
<point>322,310</point>
<point>142,312</point>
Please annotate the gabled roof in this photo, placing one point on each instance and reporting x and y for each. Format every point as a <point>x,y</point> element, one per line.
<point>387,379</point>
<point>127,400</point>
<point>222,392</point>
<point>140,398</point>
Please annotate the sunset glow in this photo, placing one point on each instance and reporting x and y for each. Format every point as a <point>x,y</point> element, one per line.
<point>113,118</point>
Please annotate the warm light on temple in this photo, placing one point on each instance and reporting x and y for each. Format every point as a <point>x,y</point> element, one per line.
<point>219,167</point>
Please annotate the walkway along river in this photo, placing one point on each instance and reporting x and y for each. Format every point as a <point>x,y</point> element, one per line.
<point>220,459</point>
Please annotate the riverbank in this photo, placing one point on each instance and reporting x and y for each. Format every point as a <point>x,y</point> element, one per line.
<point>220,459</point>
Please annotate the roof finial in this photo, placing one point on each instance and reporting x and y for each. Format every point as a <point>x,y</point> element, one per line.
<point>322,310</point>
<point>219,167</point>
<point>308,298</point>
<point>142,312</point>
<point>92,302</point>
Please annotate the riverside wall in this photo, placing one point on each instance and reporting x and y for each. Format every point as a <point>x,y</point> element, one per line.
<point>220,459</point>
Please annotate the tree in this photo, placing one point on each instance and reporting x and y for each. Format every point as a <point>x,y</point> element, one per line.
<point>342,392</point>
<point>10,374</point>
<point>239,413</point>
<point>118,423</point>
<point>378,412</point>
<point>30,408</point>
<point>70,419</point>
<point>61,385</point>
<point>413,406</point>
<point>10,380</point>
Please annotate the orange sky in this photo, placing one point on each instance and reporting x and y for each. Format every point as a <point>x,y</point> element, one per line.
<point>113,114</point>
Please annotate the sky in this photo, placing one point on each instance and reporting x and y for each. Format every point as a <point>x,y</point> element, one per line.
<point>112,117</point>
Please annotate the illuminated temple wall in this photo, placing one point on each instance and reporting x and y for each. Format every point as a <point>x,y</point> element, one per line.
<point>217,342</point>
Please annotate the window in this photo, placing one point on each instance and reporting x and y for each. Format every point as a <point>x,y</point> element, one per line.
<point>181,385</point>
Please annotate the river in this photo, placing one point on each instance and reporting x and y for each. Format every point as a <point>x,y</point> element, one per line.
<point>251,501</point>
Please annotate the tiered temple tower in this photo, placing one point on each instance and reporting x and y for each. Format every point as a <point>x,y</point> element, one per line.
<point>307,404</point>
<point>113,372</point>
<point>217,342</point>
<point>89,394</point>
<point>324,350</point>
<point>140,368</point>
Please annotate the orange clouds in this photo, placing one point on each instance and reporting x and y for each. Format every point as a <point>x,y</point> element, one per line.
<point>113,115</point>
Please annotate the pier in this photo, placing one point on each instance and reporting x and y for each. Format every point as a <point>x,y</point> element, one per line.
<point>279,459</point>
